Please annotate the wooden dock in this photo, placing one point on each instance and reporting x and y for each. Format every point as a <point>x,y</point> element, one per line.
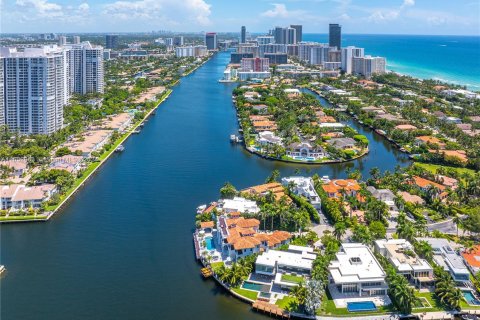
<point>206,272</point>
<point>271,309</point>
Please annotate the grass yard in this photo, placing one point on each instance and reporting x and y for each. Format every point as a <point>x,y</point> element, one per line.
<point>434,167</point>
<point>252,295</point>
<point>433,303</point>
<point>328,308</point>
<point>291,278</point>
<point>216,265</point>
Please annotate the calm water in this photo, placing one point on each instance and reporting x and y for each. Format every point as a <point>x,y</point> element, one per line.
<point>454,59</point>
<point>122,249</point>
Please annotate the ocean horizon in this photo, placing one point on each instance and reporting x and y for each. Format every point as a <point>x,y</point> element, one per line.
<point>453,59</point>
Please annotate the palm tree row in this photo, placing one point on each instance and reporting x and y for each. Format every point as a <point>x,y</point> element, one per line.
<point>239,271</point>
<point>446,290</point>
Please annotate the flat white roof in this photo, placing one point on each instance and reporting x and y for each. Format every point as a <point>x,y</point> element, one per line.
<point>397,249</point>
<point>299,260</point>
<point>240,204</point>
<point>331,125</point>
<point>355,263</point>
<point>443,252</point>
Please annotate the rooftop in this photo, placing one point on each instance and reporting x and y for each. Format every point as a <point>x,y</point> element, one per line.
<point>298,259</point>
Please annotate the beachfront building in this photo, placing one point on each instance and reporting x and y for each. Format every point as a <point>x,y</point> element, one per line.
<point>305,151</point>
<point>446,257</point>
<point>303,186</point>
<point>238,204</point>
<point>19,196</point>
<point>401,255</point>
<point>296,261</point>
<point>238,237</point>
<point>356,272</point>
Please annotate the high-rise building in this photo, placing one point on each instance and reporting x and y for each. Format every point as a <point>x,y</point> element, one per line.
<point>254,64</point>
<point>243,35</point>
<point>276,58</point>
<point>279,35</point>
<point>211,40</point>
<point>265,40</point>
<point>368,65</point>
<point>111,41</point>
<point>169,41</point>
<point>298,32</point>
<point>319,54</point>
<point>290,35</point>
<point>62,40</point>
<point>335,35</point>
<point>76,39</point>
<point>348,53</point>
<point>35,89</point>
<point>178,41</point>
<point>2,92</point>
<point>86,68</point>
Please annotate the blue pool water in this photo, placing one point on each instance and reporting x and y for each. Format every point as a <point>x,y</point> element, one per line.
<point>210,243</point>
<point>361,306</point>
<point>470,298</point>
<point>256,286</point>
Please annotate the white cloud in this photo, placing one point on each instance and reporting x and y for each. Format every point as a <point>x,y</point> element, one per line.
<point>382,15</point>
<point>43,8</point>
<point>408,3</point>
<point>279,10</point>
<point>84,7</point>
<point>166,12</point>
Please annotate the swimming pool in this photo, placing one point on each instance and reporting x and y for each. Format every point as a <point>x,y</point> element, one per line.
<point>210,244</point>
<point>256,286</point>
<point>361,306</point>
<point>468,295</point>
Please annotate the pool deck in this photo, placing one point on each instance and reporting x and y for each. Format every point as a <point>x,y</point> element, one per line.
<point>341,299</point>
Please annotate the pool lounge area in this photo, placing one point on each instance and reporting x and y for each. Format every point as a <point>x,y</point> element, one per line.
<point>360,306</point>
<point>210,243</point>
<point>254,286</point>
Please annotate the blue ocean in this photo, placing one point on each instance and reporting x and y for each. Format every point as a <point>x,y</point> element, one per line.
<point>454,59</point>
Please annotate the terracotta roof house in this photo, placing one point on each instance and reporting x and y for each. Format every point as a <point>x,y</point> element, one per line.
<point>447,181</point>
<point>472,259</point>
<point>18,166</point>
<point>239,237</point>
<point>18,196</point>
<point>428,140</point>
<point>405,127</point>
<point>411,198</point>
<point>459,154</point>
<point>335,188</point>
<point>261,190</point>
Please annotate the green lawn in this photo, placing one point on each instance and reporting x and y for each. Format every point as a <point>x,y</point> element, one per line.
<point>252,295</point>
<point>288,303</point>
<point>290,278</point>
<point>25,217</point>
<point>435,305</point>
<point>465,306</point>
<point>216,265</point>
<point>328,308</point>
<point>433,168</point>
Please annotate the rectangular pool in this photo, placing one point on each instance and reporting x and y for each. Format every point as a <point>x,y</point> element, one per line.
<point>361,306</point>
<point>256,286</point>
<point>468,295</point>
<point>209,243</point>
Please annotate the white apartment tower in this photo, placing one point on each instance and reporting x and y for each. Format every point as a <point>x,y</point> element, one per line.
<point>35,89</point>
<point>348,54</point>
<point>368,65</point>
<point>85,68</point>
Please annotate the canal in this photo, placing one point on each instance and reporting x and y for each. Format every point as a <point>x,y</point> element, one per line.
<point>122,248</point>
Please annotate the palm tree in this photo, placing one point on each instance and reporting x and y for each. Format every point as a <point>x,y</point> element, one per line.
<point>457,219</point>
<point>340,230</point>
<point>300,293</point>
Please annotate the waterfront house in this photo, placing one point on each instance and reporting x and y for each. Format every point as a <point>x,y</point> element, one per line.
<point>342,143</point>
<point>332,126</point>
<point>401,255</point>
<point>19,196</point>
<point>372,109</point>
<point>265,125</point>
<point>261,108</point>
<point>296,261</point>
<point>384,195</point>
<point>119,122</point>
<point>238,204</point>
<point>446,257</point>
<point>425,185</point>
<point>472,259</point>
<point>303,186</point>
<point>89,142</point>
<point>239,237</point>
<point>405,127</point>
<point>17,167</point>
<point>421,140</point>
<point>268,138</point>
<point>355,270</point>
<point>389,117</point>
<point>461,155</point>
<point>275,188</point>
<point>305,150</point>
<point>337,187</point>
<point>70,163</point>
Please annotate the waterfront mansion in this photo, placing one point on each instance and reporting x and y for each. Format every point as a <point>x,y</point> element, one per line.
<point>239,237</point>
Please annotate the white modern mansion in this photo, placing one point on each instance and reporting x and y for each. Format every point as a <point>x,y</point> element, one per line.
<point>303,186</point>
<point>36,83</point>
<point>356,271</point>
<point>401,255</point>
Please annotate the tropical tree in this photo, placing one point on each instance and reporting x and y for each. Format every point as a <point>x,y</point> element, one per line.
<point>340,230</point>
<point>228,191</point>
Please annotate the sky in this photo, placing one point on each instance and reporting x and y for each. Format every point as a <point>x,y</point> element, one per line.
<point>436,17</point>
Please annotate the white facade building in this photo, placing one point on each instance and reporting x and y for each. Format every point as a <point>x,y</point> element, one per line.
<point>356,270</point>
<point>303,186</point>
<point>239,204</point>
<point>348,53</point>
<point>35,89</point>
<point>368,65</point>
<point>86,68</point>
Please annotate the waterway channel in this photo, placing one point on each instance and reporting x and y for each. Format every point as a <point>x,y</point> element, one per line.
<point>122,248</point>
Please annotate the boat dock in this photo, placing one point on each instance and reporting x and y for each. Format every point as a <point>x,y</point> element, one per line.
<point>272,309</point>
